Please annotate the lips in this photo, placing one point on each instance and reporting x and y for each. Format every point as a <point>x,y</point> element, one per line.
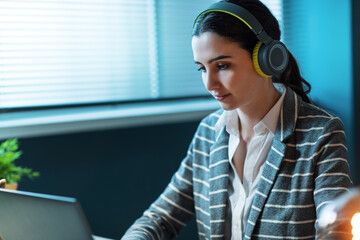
<point>221,97</point>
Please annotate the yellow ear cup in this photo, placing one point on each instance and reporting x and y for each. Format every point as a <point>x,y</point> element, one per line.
<point>255,57</point>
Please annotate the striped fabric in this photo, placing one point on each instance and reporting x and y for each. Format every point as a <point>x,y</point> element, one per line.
<point>306,168</point>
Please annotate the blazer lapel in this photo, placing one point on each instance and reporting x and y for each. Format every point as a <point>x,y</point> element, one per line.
<point>285,127</point>
<point>219,176</point>
<point>270,170</point>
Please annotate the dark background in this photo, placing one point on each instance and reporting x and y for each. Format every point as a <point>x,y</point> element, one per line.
<point>115,174</point>
<point>355,164</point>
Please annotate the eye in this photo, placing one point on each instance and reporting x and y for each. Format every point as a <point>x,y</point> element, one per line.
<point>201,69</point>
<point>223,66</point>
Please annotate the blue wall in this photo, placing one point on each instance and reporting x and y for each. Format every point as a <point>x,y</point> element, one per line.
<point>330,71</point>
<point>319,36</point>
<point>330,61</point>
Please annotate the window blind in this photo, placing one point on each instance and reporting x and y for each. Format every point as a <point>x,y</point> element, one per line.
<point>296,17</point>
<point>73,52</point>
<point>67,52</point>
<point>177,69</point>
<point>276,9</point>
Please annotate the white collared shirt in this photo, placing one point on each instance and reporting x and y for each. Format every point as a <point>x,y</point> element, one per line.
<point>241,193</point>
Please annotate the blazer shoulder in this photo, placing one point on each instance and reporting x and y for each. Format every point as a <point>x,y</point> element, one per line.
<point>212,118</point>
<point>206,128</point>
<point>318,116</point>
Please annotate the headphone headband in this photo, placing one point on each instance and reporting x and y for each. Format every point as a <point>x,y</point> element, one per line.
<point>241,13</point>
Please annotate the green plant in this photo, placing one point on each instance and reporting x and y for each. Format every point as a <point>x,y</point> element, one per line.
<point>9,152</point>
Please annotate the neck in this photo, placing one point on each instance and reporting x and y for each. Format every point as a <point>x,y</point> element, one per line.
<point>255,110</point>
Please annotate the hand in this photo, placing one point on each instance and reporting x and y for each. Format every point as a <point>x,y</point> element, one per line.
<point>337,215</point>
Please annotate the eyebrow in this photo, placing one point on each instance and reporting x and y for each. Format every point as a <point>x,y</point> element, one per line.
<point>215,59</point>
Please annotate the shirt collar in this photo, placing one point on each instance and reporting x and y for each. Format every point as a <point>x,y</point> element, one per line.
<point>230,118</point>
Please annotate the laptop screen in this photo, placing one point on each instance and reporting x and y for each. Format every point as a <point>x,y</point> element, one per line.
<point>26,215</point>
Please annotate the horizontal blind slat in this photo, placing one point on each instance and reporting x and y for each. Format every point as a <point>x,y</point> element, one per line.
<point>61,52</point>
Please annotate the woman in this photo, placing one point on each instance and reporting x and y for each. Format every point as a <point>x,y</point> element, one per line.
<point>264,165</point>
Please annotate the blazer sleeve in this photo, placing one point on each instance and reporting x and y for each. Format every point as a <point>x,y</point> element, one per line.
<point>171,211</point>
<point>332,175</point>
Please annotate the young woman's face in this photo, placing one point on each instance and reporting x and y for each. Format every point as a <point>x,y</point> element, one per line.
<point>227,70</point>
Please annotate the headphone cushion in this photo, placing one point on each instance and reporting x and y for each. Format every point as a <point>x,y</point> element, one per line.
<point>256,60</point>
<point>272,58</point>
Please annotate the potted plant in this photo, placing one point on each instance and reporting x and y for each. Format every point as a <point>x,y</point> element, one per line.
<point>9,152</point>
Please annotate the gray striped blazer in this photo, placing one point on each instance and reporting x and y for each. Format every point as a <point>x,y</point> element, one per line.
<point>306,168</point>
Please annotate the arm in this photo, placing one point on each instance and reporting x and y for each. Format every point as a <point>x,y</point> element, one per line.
<point>171,211</point>
<point>332,176</point>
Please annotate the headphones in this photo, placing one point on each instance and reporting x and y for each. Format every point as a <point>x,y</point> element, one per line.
<point>270,57</point>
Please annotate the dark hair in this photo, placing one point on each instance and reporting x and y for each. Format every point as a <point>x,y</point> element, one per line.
<point>235,30</point>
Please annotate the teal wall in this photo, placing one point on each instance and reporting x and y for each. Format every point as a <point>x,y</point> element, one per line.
<point>330,70</point>
<point>320,37</point>
<point>330,60</point>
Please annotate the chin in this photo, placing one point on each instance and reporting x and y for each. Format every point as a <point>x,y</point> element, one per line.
<point>227,107</point>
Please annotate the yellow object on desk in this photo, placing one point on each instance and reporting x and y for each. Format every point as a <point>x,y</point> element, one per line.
<point>2,185</point>
<point>11,186</point>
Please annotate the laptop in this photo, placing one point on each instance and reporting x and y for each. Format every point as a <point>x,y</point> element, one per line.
<point>27,215</point>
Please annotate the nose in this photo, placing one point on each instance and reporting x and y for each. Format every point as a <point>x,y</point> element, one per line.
<point>211,81</point>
